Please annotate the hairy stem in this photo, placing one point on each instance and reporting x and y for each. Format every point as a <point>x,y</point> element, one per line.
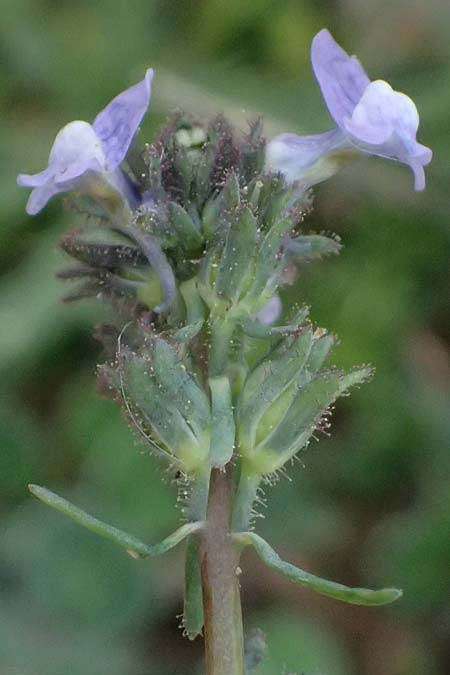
<point>221,599</point>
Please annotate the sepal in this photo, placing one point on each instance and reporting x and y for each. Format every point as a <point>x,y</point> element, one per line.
<point>236,266</point>
<point>286,398</point>
<point>269,390</point>
<point>252,153</point>
<point>307,247</point>
<point>110,265</point>
<point>309,411</point>
<point>163,401</point>
<point>182,224</point>
<point>255,329</point>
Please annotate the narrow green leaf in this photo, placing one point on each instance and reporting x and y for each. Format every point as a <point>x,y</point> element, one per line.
<point>277,199</point>
<point>217,207</point>
<point>193,618</point>
<point>223,430</point>
<point>230,194</point>
<point>355,596</point>
<point>195,311</point>
<point>134,546</point>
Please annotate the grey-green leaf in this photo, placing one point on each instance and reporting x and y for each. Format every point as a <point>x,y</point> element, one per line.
<point>355,596</point>
<point>193,618</point>
<point>134,546</point>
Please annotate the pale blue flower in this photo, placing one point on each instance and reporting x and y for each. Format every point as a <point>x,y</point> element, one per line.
<point>371,118</point>
<point>87,157</point>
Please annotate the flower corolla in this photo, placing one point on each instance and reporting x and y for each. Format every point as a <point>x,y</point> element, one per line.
<point>87,157</point>
<point>371,118</point>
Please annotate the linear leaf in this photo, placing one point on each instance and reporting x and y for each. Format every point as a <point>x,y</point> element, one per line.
<point>354,596</point>
<point>193,617</point>
<point>133,545</point>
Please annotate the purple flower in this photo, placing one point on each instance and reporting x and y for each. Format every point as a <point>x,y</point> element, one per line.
<point>87,157</point>
<point>371,118</point>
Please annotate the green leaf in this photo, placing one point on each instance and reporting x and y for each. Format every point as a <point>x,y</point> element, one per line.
<point>355,596</point>
<point>134,546</point>
<point>277,200</point>
<point>193,618</point>
<point>223,430</point>
<point>195,308</point>
<point>252,152</point>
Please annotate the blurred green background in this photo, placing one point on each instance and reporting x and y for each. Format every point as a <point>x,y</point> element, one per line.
<point>369,505</point>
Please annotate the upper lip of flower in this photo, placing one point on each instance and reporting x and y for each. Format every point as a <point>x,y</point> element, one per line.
<point>341,77</point>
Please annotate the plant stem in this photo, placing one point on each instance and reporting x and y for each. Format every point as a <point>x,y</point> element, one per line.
<point>221,599</point>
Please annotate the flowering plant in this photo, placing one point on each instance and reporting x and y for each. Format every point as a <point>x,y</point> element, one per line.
<point>193,238</point>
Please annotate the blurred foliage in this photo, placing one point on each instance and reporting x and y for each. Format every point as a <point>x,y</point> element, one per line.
<point>370,504</point>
